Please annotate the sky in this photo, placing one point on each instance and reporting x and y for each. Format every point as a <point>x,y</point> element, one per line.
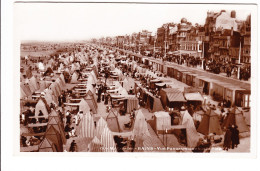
<point>82,21</point>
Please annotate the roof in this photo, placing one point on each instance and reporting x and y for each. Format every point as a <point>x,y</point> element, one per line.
<point>176,97</point>
<point>193,96</point>
<point>170,90</point>
<point>161,114</point>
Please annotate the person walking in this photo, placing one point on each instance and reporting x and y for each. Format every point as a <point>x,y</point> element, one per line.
<point>227,139</point>
<point>235,136</point>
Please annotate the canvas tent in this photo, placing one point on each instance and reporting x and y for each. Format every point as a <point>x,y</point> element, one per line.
<point>153,103</point>
<point>43,106</point>
<point>112,121</point>
<point>171,97</point>
<point>140,125</point>
<point>26,89</point>
<point>74,78</point>
<point>210,123</point>
<point>83,106</point>
<point>47,146</point>
<point>33,84</point>
<point>191,133</point>
<point>95,145</point>
<point>101,124</point>
<point>131,103</point>
<point>91,102</point>
<point>235,117</point>
<point>247,115</point>
<point>128,83</point>
<point>55,121</point>
<point>107,141</point>
<point>86,126</point>
<point>193,97</point>
<point>162,121</point>
<point>53,135</point>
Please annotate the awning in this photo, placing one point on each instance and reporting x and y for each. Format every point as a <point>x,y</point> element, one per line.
<point>176,97</point>
<point>193,96</point>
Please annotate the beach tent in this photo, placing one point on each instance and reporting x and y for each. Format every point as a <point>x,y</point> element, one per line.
<point>33,84</point>
<point>22,94</point>
<point>171,97</point>
<point>91,103</point>
<point>140,125</point>
<point>50,98</point>
<point>92,96</point>
<point>62,79</point>
<point>95,145</point>
<point>90,80</point>
<point>210,123</point>
<point>54,90</point>
<point>94,76</point>
<point>28,73</point>
<point>74,78</point>
<point>128,83</point>
<point>247,116</point>
<point>153,103</point>
<point>112,121</point>
<point>26,89</point>
<point>86,127</point>
<point>47,146</point>
<point>54,120</point>
<point>83,106</point>
<point>191,133</point>
<point>131,103</point>
<point>122,91</point>
<point>59,85</point>
<point>235,117</point>
<point>43,106</point>
<point>193,97</point>
<point>83,144</point>
<point>162,121</point>
<point>101,124</point>
<point>53,135</point>
<point>94,68</point>
<point>42,85</point>
<point>107,141</point>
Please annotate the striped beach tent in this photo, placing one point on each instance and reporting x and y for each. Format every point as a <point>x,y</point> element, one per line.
<point>95,145</point>
<point>107,141</point>
<point>86,126</point>
<point>101,124</point>
<point>140,125</point>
